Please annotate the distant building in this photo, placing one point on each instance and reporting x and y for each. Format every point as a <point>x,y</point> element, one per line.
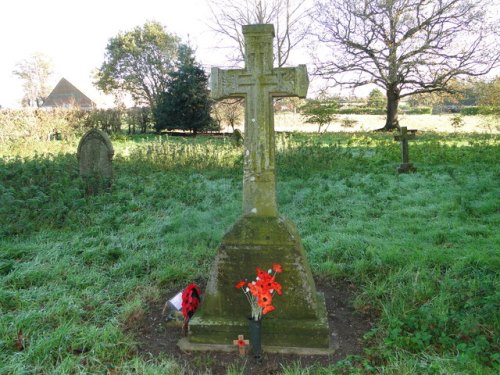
<point>65,95</point>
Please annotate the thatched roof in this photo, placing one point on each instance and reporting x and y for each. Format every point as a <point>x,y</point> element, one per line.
<point>66,95</point>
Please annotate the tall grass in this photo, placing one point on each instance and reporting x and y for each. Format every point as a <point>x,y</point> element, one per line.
<point>77,271</point>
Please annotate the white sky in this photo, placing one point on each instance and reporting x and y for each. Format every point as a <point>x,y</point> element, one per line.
<point>74,36</point>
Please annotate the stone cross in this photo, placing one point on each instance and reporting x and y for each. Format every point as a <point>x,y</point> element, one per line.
<point>258,83</point>
<point>404,137</point>
<point>241,343</point>
<point>261,237</point>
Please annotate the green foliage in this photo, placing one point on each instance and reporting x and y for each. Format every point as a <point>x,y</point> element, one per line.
<point>457,122</point>
<point>108,120</point>
<point>490,93</point>
<point>138,118</point>
<point>490,111</point>
<point>40,124</point>
<point>139,62</point>
<point>376,99</point>
<point>470,111</point>
<point>76,271</point>
<point>360,111</point>
<point>35,192</point>
<point>320,112</point>
<point>418,111</point>
<point>381,111</point>
<point>480,110</point>
<point>185,104</point>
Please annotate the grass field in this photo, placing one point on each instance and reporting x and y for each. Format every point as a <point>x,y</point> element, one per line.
<point>422,249</point>
<point>286,121</point>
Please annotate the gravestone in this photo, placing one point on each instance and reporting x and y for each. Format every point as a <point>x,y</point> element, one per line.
<point>261,237</point>
<point>95,154</point>
<point>405,136</point>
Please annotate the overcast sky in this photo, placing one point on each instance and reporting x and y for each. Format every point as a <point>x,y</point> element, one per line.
<point>74,35</point>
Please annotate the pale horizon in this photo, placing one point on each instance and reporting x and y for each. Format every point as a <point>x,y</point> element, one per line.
<point>75,39</point>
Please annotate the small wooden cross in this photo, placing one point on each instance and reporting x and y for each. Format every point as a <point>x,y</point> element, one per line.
<point>241,343</point>
<point>405,136</point>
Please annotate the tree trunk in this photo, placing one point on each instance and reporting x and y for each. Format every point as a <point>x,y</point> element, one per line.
<point>392,121</point>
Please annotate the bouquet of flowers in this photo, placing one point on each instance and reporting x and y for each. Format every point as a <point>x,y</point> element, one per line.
<point>260,292</point>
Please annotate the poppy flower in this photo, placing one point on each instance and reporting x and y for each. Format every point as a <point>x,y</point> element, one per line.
<point>267,309</point>
<point>255,289</point>
<point>240,284</point>
<point>262,275</point>
<point>265,299</point>
<point>260,291</point>
<point>269,285</point>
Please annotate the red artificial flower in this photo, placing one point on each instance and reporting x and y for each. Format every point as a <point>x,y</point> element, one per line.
<point>240,284</point>
<point>242,343</point>
<point>276,287</point>
<point>269,284</point>
<point>256,289</point>
<point>265,299</point>
<point>260,292</point>
<point>262,275</point>
<point>267,309</point>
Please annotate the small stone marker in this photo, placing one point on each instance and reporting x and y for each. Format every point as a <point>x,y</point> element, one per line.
<point>261,237</point>
<point>404,137</point>
<point>241,343</point>
<point>95,154</point>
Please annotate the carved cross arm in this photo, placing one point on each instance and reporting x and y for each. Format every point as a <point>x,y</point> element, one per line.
<point>225,83</point>
<point>291,81</point>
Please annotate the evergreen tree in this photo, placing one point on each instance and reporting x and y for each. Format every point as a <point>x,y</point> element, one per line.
<point>185,104</point>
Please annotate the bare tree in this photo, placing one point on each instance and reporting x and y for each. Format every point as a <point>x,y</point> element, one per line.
<point>290,18</point>
<point>34,72</point>
<point>229,111</point>
<point>406,47</point>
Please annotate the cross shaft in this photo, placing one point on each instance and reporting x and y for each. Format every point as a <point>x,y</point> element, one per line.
<point>258,83</point>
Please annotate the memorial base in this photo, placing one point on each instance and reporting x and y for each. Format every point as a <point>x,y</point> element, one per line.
<point>300,318</point>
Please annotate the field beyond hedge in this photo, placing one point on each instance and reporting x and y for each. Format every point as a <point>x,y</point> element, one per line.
<point>422,249</point>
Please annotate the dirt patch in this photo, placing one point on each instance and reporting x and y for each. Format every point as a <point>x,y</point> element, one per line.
<point>348,326</point>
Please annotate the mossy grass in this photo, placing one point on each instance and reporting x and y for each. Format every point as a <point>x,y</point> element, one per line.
<point>76,271</point>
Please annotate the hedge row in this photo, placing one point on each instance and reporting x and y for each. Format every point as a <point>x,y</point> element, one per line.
<point>42,124</point>
<point>360,111</point>
<point>480,110</point>
<point>381,111</point>
<point>466,111</point>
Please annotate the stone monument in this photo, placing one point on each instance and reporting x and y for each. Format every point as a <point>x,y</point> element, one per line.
<point>261,237</point>
<point>405,136</point>
<point>95,154</point>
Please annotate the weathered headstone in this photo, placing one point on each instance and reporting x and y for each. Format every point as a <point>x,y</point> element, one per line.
<point>261,237</point>
<point>95,154</point>
<point>405,136</point>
